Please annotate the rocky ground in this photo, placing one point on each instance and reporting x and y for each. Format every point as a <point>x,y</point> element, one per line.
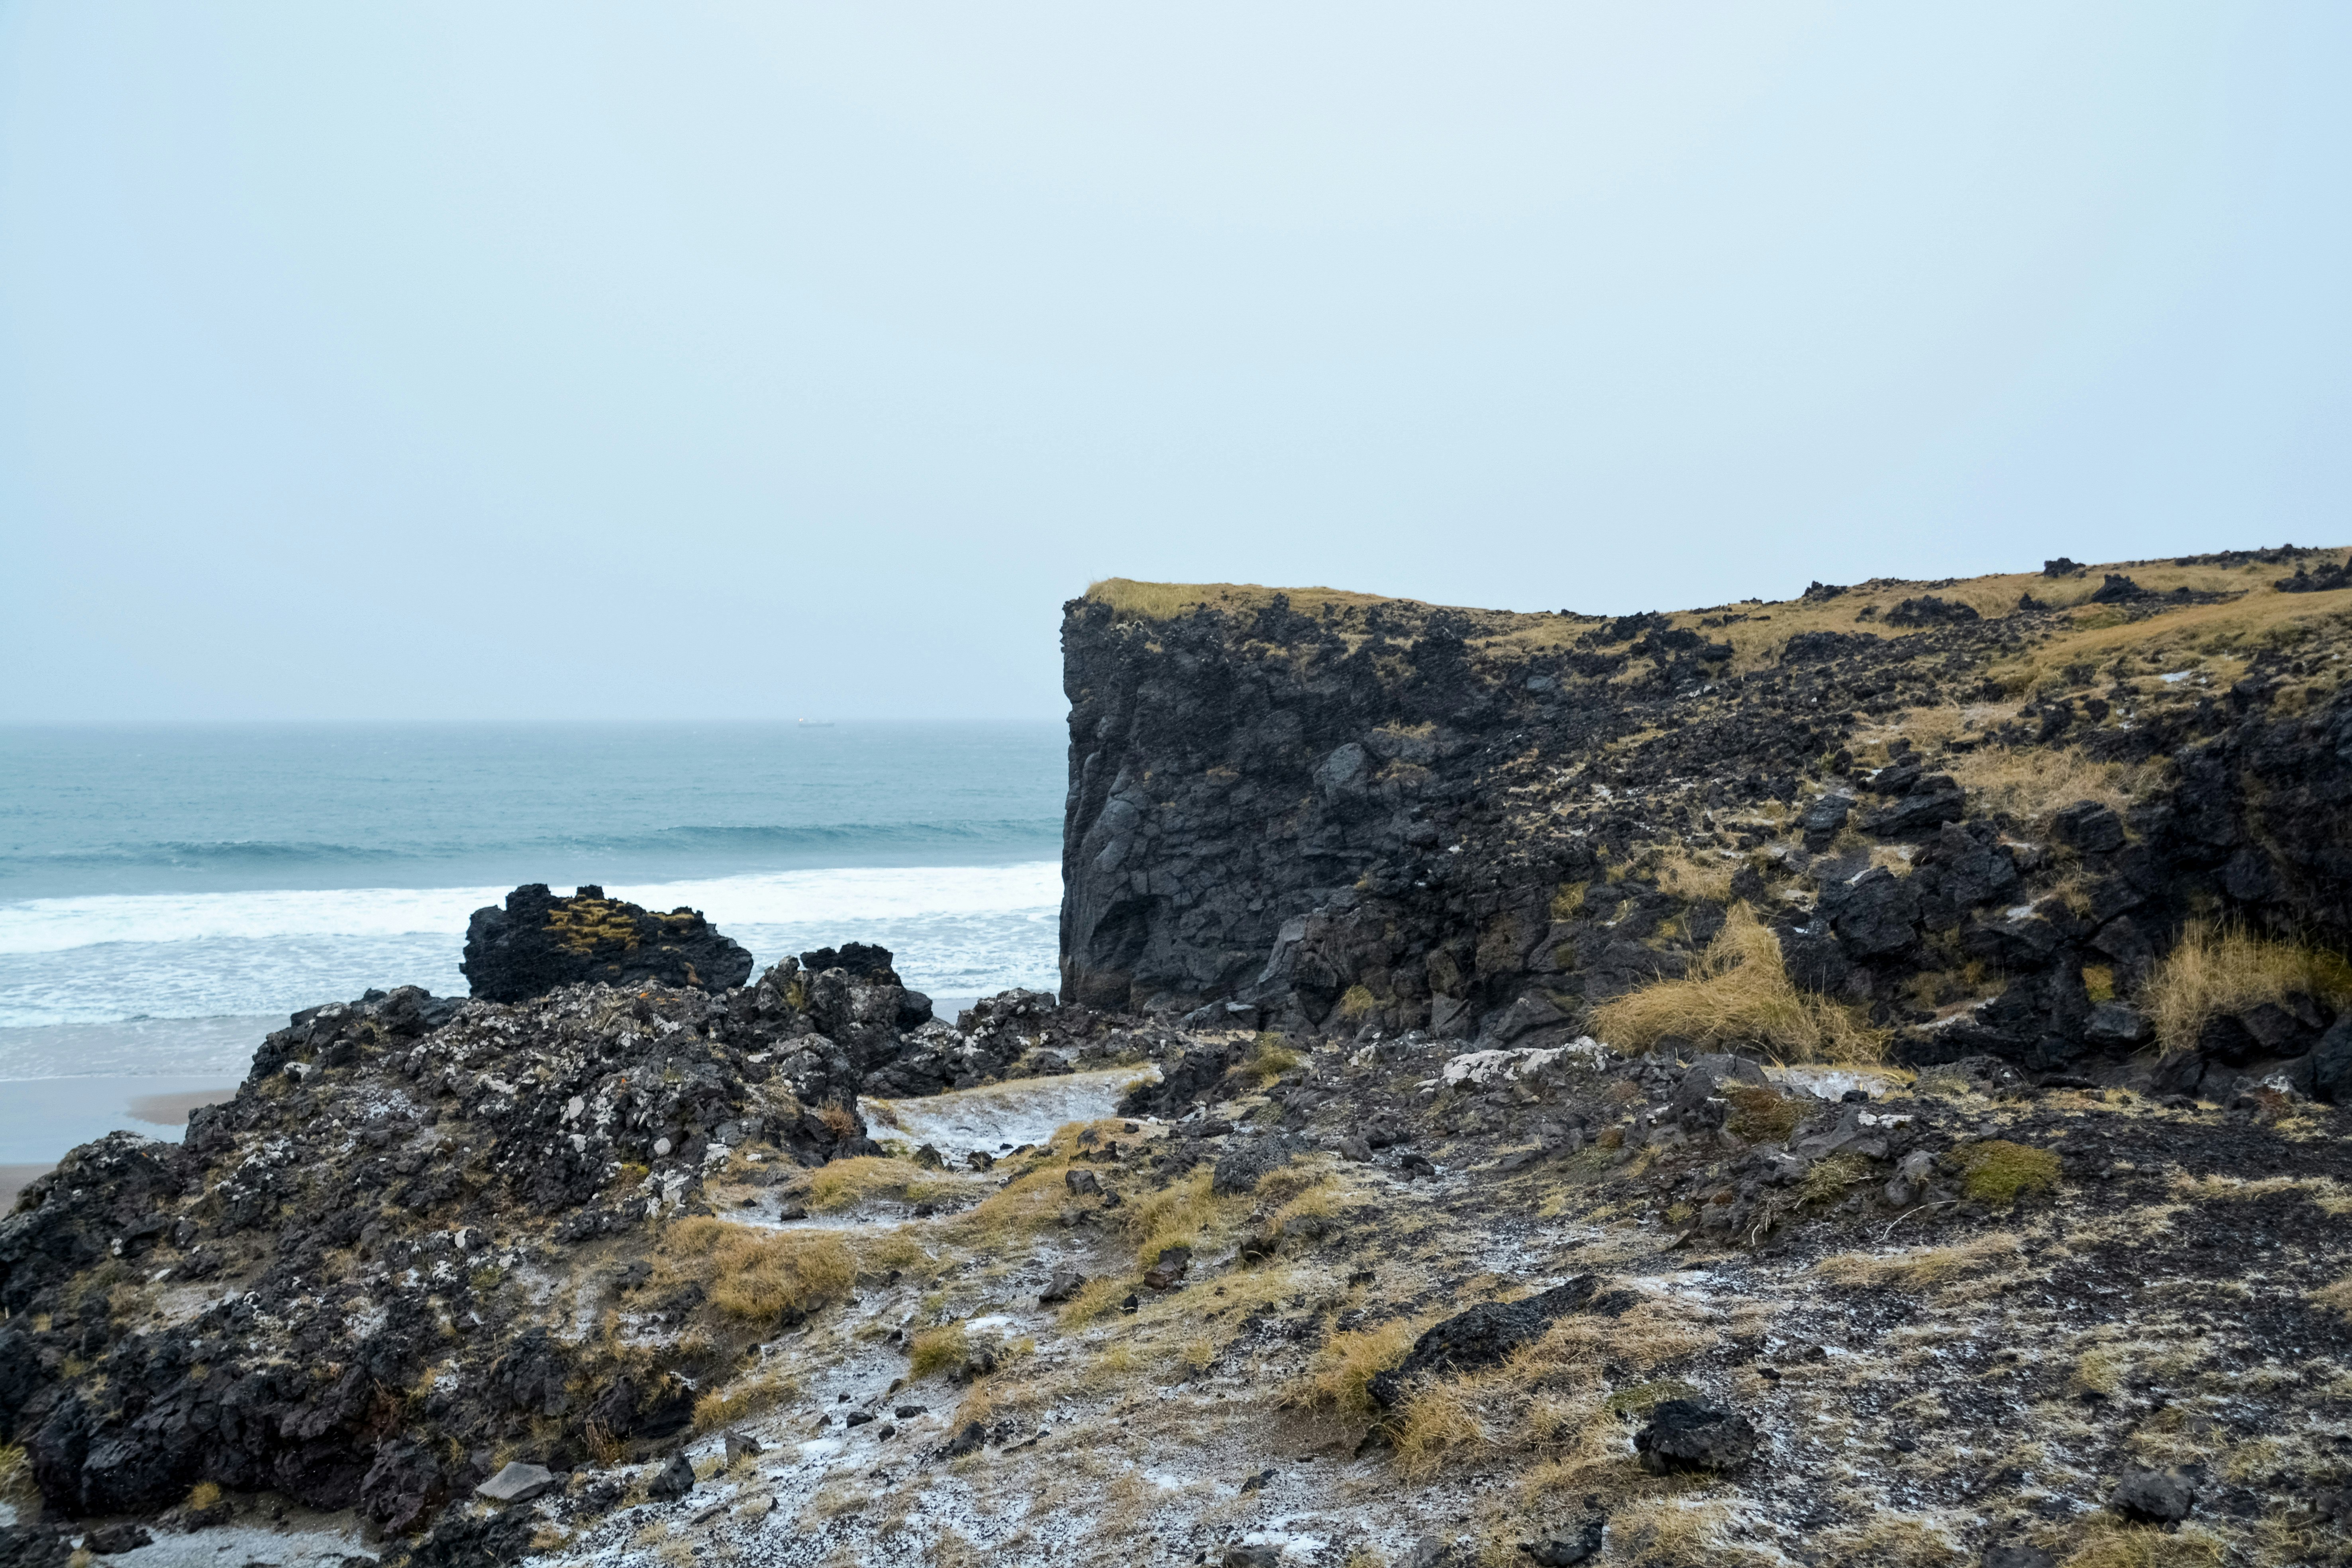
<point>1848,1081</point>
<point>1911,1320</point>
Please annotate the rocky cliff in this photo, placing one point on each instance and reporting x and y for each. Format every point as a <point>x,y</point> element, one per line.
<point>1369,1257</point>
<point>1980,813</point>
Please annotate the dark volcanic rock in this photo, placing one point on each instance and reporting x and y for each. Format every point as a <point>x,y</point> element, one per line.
<point>1484,1335</point>
<point>1688,1435</point>
<point>33,1546</point>
<point>539,942</point>
<point>2155,1497</point>
<point>1930,611</point>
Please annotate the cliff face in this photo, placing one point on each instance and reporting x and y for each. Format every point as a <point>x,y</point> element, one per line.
<point>1978,813</point>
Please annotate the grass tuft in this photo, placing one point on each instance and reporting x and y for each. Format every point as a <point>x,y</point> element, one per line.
<point>1434,1428</point>
<point>2000,1171</point>
<point>1272,1059</point>
<point>1740,993</point>
<point>844,1183</point>
<point>755,1275</point>
<point>2216,970</point>
<point>1917,1266</point>
<point>1761,1113</point>
<point>943,1349</point>
<point>2107,1542</point>
<point>1340,1376</point>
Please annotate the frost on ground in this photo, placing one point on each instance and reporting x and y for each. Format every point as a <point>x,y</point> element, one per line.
<point>1927,1380</point>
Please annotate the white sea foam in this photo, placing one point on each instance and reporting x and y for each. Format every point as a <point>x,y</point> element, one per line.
<point>98,958</point>
<point>848,895</point>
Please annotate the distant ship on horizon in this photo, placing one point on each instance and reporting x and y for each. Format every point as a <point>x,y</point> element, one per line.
<point>816,723</point>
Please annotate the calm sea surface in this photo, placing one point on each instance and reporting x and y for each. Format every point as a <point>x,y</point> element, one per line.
<point>167,893</point>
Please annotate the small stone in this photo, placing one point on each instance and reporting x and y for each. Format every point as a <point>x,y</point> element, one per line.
<point>2018,1557</point>
<point>1257,1481</point>
<point>741,1447</point>
<point>517,1482</point>
<point>2154,1497</point>
<point>109,1538</point>
<point>1557,1554</point>
<point>909,1412</point>
<point>1691,1435</point>
<point>672,1481</point>
<point>1065,1284</point>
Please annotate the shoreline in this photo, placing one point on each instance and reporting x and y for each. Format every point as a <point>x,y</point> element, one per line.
<point>41,1119</point>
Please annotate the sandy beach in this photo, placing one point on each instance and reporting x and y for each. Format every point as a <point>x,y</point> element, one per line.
<point>40,1119</point>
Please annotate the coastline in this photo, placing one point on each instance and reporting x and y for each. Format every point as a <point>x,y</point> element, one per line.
<point>42,1119</point>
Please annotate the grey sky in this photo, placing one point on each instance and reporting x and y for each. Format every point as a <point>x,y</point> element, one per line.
<point>452,360</point>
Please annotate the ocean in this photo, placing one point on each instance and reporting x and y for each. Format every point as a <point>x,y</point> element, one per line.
<point>169,893</point>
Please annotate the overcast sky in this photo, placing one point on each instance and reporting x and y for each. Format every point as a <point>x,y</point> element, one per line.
<point>450,361</point>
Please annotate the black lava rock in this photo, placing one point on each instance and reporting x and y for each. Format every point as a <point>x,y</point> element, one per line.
<point>1688,1435</point>
<point>539,942</point>
<point>1482,1336</point>
<point>2154,1497</point>
<point>673,1480</point>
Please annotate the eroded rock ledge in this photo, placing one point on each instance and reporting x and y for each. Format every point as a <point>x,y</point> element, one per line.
<point>1982,827</point>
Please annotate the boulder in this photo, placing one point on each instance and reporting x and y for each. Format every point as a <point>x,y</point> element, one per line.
<point>108,1539</point>
<point>1484,1335</point>
<point>539,942</point>
<point>2154,1497</point>
<point>1240,1168</point>
<point>673,1480</point>
<point>1559,1552</point>
<point>1692,1435</point>
<point>517,1482</point>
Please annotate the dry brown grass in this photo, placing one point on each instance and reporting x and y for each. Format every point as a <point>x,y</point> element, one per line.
<point>1180,1214</point>
<point>1340,1376</point>
<point>1677,1532</point>
<point>756,1274</point>
<point>2000,1171</point>
<point>1134,601</point>
<point>1740,993</point>
<point>2028,784</point>
<point>1435,1427</point>
<point>1919,1266</point>
<point>2102,1541</point>
<point>1689,876</point>
<point>1272,1057</point>
<point>746,1396</point>
<point>943,1349</point>
<point>844,1183</point>
<point>1761,1113</point>
<point>602,1446</point>
<point>2215,969</point>
<point>2337,1296</point>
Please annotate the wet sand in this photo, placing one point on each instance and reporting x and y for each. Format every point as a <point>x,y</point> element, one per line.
<point>13,1180</point>
<point>42,1117</point>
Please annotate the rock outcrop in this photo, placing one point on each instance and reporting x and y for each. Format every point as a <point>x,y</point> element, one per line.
<point>539,942</point>
<point>1331,812</point>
